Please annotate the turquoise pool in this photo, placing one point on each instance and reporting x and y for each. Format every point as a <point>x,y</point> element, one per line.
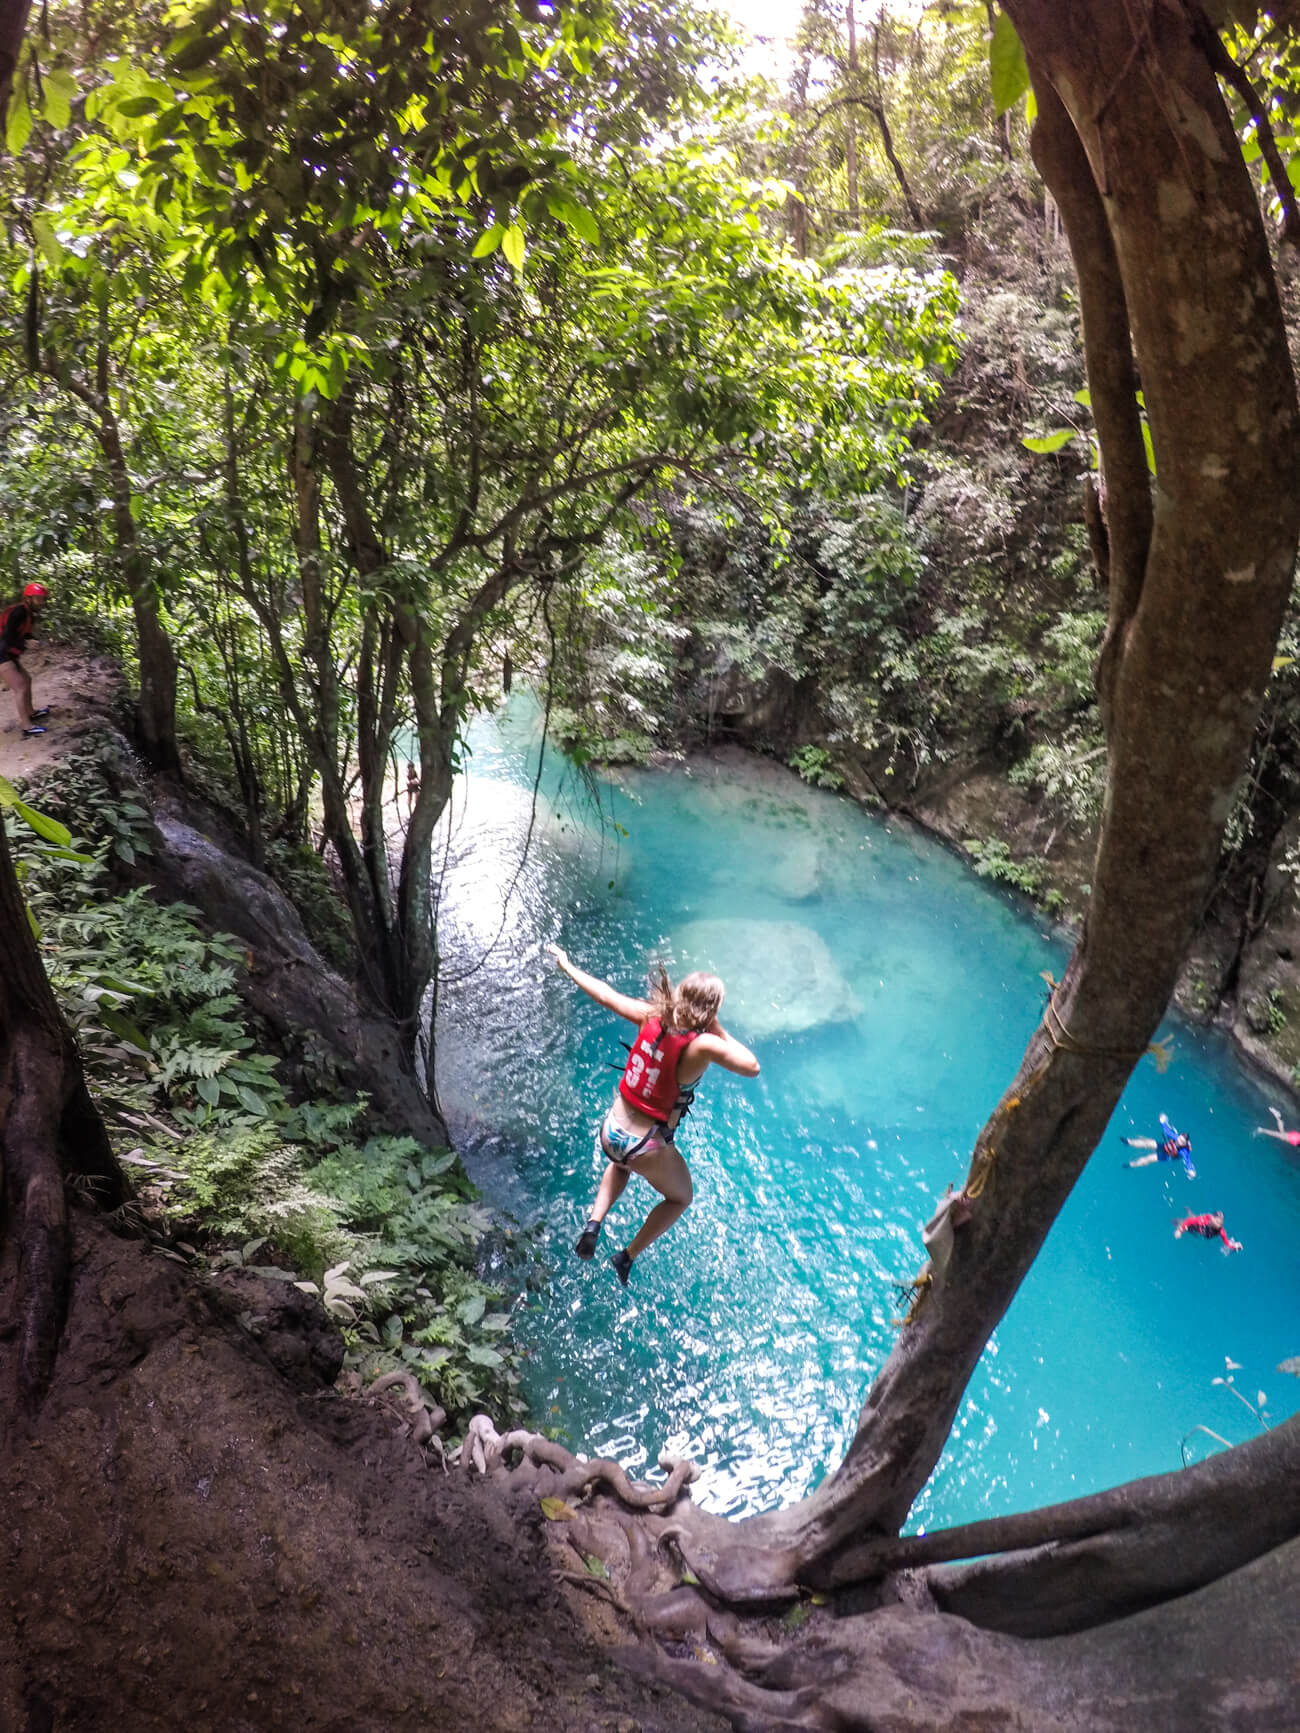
<point>889,994</point>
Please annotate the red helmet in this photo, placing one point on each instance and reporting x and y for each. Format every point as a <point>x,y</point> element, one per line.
<point>34,590</point>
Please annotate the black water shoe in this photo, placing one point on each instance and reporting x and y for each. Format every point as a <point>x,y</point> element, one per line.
<point>622,1266</point>
<point>41,714</point>
<point>586,1246</point>
<point>36,730</point>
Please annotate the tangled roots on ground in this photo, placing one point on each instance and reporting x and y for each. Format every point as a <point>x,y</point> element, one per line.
<point>404,1398</point>
<point>884,1657</point>
<point>569,1476</point>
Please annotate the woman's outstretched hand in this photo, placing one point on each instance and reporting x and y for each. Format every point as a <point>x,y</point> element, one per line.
<point>561,956</point>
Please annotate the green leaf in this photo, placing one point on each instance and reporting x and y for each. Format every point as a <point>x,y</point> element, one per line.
<point>1008,72</point>
<point>18,123</point>
<point>556,1510</point>
<point>483,1356</point>
<point>51,248</point>
<point>1052,441</point>
<point>122,1027</point>
<point>44,826</point>
<point>576,217</point>
<point>1084,397</point>
<point>60,89</point>
<point>488,242</point>
<point>209,1090</point>
<point>1149,446</point>
<point>473,1309</point>
<point>512,245</point>
<point>251,1100</point>
<point>596,1567</point>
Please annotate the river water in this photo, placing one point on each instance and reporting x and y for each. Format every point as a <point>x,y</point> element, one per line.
<point>889,994</point>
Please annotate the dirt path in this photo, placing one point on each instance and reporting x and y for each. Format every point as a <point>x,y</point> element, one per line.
<point>79,688</point>
<point>188,1544</point>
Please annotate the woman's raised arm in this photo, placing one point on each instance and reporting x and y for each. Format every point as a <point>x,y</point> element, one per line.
<point>723,1049</point>
<point>636,1011</point>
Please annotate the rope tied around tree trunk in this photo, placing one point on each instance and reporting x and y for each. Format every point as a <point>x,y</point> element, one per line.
<point>1064,1040</point>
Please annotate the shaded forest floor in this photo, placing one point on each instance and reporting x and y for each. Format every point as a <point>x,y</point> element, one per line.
<point>191,1543</point>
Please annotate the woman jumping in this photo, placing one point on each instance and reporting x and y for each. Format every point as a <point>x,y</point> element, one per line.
<point>678,1037</point>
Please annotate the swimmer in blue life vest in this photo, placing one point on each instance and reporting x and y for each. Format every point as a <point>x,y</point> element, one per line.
<point>678,1037</point>
<point>1171,1145</point>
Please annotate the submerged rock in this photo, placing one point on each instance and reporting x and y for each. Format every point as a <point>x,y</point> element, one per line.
<point>780,975</point>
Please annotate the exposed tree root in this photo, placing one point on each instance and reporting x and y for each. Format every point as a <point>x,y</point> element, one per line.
<point>1084,1568</point>
<point>420,1421</point>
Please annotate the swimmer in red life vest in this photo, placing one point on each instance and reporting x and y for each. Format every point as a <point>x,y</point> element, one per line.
<point>678,1037</point>
<point>1291,1137</point>
<point>1209,1227</point>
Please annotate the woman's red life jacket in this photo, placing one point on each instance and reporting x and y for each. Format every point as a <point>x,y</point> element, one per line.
<point>649,1080</point>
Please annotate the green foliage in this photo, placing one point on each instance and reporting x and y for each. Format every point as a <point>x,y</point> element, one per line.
<point>175,1065</point>
<point>993,860</point>
<point>81,787</point>
<point>817,766</point>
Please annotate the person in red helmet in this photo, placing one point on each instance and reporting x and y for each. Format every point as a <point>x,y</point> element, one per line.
<point>17,623</point>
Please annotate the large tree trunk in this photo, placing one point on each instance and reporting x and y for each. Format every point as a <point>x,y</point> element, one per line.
<point>13,23</point>
<point>49,1130</point>
<point>1180,258</point>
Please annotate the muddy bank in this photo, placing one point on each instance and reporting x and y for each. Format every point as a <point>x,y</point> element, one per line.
<point>192,1543</point>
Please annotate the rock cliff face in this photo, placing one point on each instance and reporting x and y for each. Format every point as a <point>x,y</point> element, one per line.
<point>287,981</point>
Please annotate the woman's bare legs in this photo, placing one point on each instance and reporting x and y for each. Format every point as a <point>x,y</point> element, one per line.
<point>669,1174</point>
<point>1281,1132</point>
<point>612,1183</point>
<point>19,682</point>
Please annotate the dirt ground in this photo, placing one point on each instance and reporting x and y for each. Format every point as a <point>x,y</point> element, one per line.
<point>79,689</point>
<point>188,1543</point>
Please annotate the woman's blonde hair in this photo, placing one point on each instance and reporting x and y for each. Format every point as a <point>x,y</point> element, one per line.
<point>691,1005</point>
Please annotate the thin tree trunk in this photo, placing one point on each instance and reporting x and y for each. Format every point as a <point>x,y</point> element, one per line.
<point>1192,659</point>
<point>371,919</point>
<point>155,714</point>
<point>851,138</point>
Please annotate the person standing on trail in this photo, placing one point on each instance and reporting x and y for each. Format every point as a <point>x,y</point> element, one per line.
<point>678,1037</point>
<point>17,623</point>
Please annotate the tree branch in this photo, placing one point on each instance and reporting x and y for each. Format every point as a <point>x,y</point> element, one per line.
<point>1234,74</point>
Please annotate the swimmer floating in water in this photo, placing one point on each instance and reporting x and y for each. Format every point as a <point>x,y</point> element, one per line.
<point>1209,1227</point>
<point>1291,1137</point>
<point>677,1037</point>
<point>1171,1145</point>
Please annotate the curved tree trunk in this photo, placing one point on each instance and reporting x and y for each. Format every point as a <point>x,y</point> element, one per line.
<point>1196,608</point>
<point>49,1131</point>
